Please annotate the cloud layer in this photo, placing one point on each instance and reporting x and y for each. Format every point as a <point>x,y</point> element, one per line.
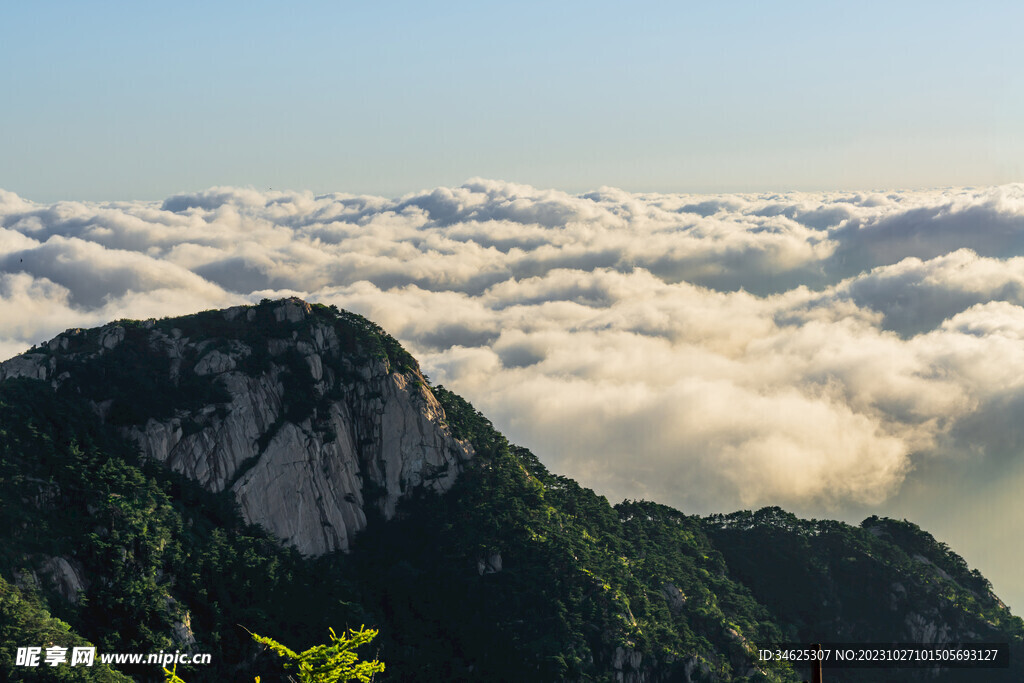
<point>711,352</point>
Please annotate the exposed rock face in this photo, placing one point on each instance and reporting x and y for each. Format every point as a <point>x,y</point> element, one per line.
<point>923,629</point>
<point>314,434</point>
<point>674,597</point>
<point>181,628</point>
<point>490,564</point>
<point>65,578</point>
<point>31,365</point>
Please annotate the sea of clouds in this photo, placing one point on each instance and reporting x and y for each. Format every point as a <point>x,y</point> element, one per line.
<point>710,352</point>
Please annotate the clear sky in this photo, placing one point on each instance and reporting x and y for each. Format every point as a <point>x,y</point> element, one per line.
<point>838,352</point>
<point>107,100</point>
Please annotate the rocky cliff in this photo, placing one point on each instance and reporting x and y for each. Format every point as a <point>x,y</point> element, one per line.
<point>135,457</point>
<point>313,418</point>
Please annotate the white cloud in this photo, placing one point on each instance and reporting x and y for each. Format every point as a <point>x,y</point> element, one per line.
<point>709,351</point>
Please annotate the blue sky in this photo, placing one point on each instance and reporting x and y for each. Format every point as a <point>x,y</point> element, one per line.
<point>895,320</point>
<point>138,101</point>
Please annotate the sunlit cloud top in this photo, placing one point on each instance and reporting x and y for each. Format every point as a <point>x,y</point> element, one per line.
<point>708,351</point>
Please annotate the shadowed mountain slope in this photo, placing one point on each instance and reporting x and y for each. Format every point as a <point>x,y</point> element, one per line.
<point>286,467</point>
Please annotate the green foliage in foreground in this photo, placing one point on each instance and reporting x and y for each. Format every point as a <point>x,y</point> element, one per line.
<point>514,574</point>
<point>155,548</point>
<point>334,663</point>
<point>329,663</point>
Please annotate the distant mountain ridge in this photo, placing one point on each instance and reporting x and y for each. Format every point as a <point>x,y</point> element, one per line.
<point>287,467</point>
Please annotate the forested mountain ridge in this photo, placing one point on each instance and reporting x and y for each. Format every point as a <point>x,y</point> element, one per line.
<point>286,405</point>
<point>286,467</point>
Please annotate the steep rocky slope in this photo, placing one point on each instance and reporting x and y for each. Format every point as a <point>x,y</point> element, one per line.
<point>275,403</point>
<point>282,468</point>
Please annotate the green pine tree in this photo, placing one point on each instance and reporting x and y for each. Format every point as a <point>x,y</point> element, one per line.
<point>336,662</point>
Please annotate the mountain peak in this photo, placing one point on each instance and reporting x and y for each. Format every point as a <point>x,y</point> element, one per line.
<point>313,417</point>
<point>316,423</point>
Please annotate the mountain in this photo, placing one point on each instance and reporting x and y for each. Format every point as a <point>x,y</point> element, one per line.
<point>284,468</point>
